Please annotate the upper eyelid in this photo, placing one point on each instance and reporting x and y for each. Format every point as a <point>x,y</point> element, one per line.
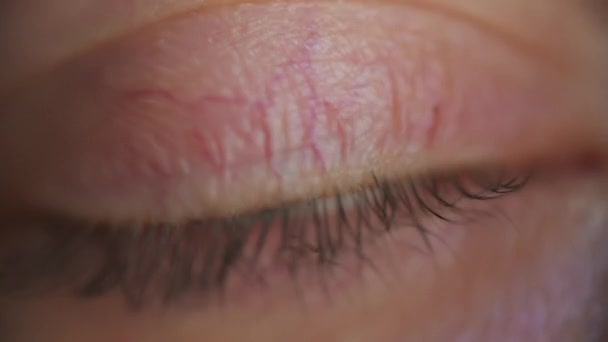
<point>144,66</point>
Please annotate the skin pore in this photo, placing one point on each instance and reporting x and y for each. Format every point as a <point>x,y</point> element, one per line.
<point>128,112</point>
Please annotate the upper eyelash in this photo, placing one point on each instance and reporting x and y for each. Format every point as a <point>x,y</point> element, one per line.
<point>134,259</point>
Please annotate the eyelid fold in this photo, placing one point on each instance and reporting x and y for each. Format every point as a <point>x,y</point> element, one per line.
<point>221,110</point>
<point>55,33</point>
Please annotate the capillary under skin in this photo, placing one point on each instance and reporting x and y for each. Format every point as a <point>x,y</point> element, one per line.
<point>225,108</point>
<point>322,97</point>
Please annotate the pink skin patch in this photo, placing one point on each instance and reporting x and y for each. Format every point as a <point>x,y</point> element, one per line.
<point>298,108</point>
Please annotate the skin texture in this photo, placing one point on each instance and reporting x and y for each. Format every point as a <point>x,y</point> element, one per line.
<point>129,115</point>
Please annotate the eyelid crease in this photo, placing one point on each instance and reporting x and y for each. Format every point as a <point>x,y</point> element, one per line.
<point>532,47</point>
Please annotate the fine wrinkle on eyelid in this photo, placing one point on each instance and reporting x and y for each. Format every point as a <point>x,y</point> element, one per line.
<point>533,47</point>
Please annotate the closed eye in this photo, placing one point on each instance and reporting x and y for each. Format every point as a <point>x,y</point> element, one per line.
<point>213,145</point>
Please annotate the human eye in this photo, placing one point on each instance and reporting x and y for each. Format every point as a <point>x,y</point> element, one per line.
<point>233,168</point>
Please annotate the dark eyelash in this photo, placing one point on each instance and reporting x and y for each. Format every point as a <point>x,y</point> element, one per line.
<point>200,256</point>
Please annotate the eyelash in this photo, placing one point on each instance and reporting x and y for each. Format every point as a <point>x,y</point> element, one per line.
<point>171,261</point>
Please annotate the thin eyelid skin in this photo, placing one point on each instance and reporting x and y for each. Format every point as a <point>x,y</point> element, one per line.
<point>166,117</point>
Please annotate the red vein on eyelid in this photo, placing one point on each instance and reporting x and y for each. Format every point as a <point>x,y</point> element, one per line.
<point>216,159</point>
<point>314,102</point>
<point>209,146</point>
<point>262,109</point>
<point>301,64</point>
<point>214,153</point>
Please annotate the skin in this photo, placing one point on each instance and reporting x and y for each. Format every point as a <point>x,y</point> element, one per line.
<point>132,85</point>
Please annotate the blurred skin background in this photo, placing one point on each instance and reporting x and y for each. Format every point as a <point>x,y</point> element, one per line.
<point>131,113</point>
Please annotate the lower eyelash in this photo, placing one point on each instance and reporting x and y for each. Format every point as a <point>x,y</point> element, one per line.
<point>199,257</point>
